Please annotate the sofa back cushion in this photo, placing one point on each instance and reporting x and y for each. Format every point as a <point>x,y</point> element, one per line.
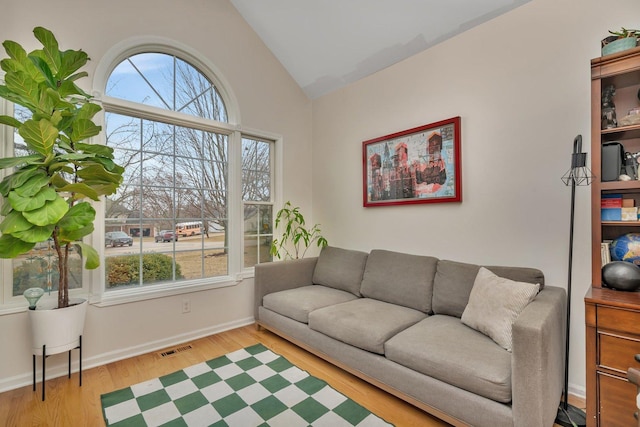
<point>340,269</point>
<point>399,278</point>
<point>454,281</point>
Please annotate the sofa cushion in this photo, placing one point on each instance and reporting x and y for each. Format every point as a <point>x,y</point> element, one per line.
<point>340,269</point>
<point>495,303</point>
<point>445,349</point>
<point>364,323</point>
<point>399,279</point>
<point>454,280</point>
<point>299,302</point>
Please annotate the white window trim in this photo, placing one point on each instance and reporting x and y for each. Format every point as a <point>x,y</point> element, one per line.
<point>94,280</point>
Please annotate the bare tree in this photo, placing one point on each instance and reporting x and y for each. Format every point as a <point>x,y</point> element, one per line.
<point>195,184</point>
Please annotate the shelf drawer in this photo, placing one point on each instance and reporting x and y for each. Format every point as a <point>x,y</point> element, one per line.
<point>618,353</point>
<point>617,402</point>
<point>617,319</point>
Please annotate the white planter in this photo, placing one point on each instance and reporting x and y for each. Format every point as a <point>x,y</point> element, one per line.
<point>57,328</point>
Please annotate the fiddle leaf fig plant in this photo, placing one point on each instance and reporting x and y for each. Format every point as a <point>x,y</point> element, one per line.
<point>46,188</point>
<point>295,235</point>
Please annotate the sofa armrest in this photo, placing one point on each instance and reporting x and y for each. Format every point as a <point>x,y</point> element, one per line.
<point>279,276</point>
<point>537,362</point>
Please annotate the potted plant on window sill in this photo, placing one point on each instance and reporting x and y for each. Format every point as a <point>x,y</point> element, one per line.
<point>45,191</point>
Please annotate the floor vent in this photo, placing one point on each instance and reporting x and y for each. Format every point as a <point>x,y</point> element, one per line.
<point>176,350</point>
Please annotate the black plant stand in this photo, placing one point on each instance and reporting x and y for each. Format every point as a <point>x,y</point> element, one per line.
<point>44,358</point>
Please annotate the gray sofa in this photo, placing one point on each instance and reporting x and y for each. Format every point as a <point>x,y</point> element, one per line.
<point>396,321</point>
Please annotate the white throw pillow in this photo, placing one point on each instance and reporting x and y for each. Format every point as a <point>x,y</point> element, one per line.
<point>495,303</point>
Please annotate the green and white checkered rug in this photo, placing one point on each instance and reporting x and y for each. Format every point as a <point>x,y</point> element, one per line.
<point>249,387</point>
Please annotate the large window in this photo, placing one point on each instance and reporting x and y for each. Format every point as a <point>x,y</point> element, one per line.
<point>256,195</point>
<point>176,206</point>
<point>196,204</point>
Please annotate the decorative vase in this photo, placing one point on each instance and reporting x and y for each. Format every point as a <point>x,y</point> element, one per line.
<point>619,45</point>
<point>621,275</point>
<point>57,328</point>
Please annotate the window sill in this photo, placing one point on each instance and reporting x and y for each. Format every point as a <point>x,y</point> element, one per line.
<point>125,296</point>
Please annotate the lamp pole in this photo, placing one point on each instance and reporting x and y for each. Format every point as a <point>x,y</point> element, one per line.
<point>568,415</point>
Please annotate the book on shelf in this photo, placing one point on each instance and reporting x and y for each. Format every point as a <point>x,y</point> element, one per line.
<point>605,252</point>
<point>611,201</point>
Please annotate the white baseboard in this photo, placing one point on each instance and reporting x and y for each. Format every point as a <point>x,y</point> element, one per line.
<point>60,368</point>
<point>580,392</point>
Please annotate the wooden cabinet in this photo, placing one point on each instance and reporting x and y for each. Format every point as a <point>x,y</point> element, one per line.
<point>613,340</point>
<point>612,317</point>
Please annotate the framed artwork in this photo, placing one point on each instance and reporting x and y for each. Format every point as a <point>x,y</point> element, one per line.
<point>419,165</point>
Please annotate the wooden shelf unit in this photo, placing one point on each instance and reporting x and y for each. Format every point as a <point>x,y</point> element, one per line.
<point>612,317</point>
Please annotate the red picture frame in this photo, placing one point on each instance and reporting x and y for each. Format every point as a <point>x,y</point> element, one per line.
<point>419,165</point>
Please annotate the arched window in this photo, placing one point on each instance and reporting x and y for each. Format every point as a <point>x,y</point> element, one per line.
<point>179,215</point>
<point>196,206</point>
<point>168,82</point>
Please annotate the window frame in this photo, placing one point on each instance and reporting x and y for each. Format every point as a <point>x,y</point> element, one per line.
<point>94,281</point>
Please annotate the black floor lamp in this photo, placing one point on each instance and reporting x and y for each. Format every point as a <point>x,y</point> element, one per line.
<point>578,175</point>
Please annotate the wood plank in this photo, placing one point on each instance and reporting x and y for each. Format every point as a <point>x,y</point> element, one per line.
<point>69,404</point>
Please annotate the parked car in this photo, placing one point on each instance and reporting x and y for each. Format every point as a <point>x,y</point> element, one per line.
<point>117,238</point>
<point>166,236</point>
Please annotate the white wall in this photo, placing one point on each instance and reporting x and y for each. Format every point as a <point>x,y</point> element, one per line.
<point>268,99</point>
<point>521,83</point>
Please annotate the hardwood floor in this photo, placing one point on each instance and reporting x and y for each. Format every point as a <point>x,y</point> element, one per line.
<point>67,404</point>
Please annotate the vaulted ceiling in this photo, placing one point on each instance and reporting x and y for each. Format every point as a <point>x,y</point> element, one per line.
<point>327,44</point>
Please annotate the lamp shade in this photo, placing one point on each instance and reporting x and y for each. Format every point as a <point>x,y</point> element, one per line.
<point>33,295</point>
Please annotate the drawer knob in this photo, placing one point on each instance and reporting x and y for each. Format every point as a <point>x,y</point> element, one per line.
<point>635,415</point>
<point>637,357</point>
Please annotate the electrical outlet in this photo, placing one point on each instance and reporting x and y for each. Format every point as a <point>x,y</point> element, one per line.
<point>186,306</point>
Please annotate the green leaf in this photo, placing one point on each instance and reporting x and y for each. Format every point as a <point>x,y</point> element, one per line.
<point>104,189</point>
<point>9,162</point>
<point>58,181</point>
<point>18,178</point>
<point>83,129</point>
<point>49,100</point>
<point>70,62</point>
<point>32,186</point>
<point>75,156</point>
<point>90,255</point>
<point>69,236</point>
<point>40,136</point>
<point>50,44</point>
<point>98,149</point>
<point>109,165</point>
<point>14,222</point>
<point>22,204</point>
<point>79,216</point>
<point>10,247</point>
<point>22,85</point>
<point>97,174</point>
<point>14,50</point>
<point>50,213</point>
<point>88,110</point>
<point>17,99</point>
<point>77,76</point>
<point>11,65</point>
<point>6,209</point>
<point>81,188</point>
<point>35,234</point>
<point>43,66</point>
<point>10,121</point>
<point>68,88</point>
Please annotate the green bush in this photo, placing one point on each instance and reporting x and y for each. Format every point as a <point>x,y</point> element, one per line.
<point>125,270</point>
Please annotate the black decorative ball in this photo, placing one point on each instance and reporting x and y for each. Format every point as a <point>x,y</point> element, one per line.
<point>621,275</point>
